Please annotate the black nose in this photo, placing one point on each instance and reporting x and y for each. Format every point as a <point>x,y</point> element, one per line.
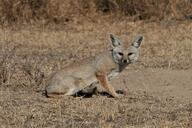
<point>124,61</point>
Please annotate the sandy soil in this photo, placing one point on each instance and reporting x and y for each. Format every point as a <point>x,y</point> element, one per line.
<point>160,82</point>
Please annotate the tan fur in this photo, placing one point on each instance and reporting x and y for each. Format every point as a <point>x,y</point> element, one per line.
<point>84,77</point>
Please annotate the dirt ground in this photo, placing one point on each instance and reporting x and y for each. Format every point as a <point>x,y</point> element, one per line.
<point>159,91</point>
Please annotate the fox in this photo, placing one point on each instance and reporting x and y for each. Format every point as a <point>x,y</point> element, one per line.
<point>86,76</point>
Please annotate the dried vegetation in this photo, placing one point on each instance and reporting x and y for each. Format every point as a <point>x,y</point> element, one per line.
<point>38,37</point>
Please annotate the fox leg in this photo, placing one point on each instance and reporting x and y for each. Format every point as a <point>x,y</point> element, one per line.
<point>102,78</point>
<point>92,88</point>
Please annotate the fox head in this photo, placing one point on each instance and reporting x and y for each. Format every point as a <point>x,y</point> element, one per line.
<point>125,56</point>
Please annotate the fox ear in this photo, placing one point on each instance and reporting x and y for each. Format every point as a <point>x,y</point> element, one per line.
<point>137,42</point>
<point>115,42</point>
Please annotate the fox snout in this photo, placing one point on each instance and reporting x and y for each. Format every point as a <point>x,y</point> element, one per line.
<point>125,60</point>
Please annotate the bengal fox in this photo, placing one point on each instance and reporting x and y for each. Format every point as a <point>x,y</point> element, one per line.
<point>86,76</point>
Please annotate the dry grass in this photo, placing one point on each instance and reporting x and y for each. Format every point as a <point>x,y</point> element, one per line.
<point>62,11</point>
<point>136,110</point>
<point>30,53</point>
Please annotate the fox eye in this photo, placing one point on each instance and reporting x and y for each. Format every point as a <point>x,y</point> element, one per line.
<point>120,53</point>
<point>129,54</point>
